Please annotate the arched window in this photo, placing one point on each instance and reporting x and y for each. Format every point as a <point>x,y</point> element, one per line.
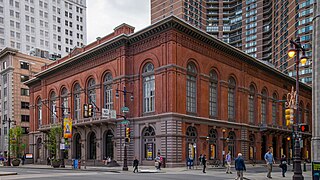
<point>53,112</point>
<point>264,106</point>
<point>39,112</point>
<point>213,89</point>
<point>92,95</point>
<point>149,142</point>
<point>284,98</point>
<point>92,146</point>
<point>191,135</point>
<point>213,144</point>
<point>76,102</point>
<point>231,99</point>
<point>274,108</point>
<point>301,108</point>
<point>191,88</point>
<point>252,94</point>
<point>64,102</point>
<point>107,88</point>
<point>148,88</point>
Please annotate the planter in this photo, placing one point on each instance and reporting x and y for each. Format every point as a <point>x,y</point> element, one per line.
<point>55,163</point>
<point>15,162</point>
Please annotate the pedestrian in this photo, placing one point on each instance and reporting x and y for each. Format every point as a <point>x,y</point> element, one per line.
<point>204,163</point>
<point>159,160</point>
<point>23,159</point>
<point>228,160</point>
<point>268,157</point>
<point>240,166</point>
<point>135,164</point>
<point>104,161</point>
<point>283,165</point>
<point>48,161</point>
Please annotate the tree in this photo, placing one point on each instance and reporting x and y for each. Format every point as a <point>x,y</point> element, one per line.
<point>54,137</point>
<point>16,145</point>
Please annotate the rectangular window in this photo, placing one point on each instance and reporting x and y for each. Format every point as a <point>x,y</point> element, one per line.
<point>25,118</point>
<point>24,92</point>
<point>24,65</point>
<point>24,78</point>
<point>24,105</point>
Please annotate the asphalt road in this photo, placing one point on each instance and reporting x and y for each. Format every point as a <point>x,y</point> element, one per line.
<point>56,174</point>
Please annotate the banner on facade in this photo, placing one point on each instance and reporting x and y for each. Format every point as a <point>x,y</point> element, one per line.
<point>67,127</point>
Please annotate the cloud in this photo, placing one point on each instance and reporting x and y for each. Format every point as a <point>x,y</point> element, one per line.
<point>104,15</point>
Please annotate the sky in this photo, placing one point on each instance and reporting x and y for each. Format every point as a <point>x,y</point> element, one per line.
<point>104,15</point>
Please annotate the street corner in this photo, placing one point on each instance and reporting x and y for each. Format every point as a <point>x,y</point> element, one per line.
<point>8,173</point>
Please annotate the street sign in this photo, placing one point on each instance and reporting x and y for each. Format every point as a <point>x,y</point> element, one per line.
<point>105,113</point>
<point>62,146</point>
<point>124,122</point>
<point>113,114</point>
<point>125,109</point>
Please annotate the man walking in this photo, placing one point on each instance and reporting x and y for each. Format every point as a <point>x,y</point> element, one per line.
<point>268,157</point>
<point>240,166</point>
<point>135,164</point>
<point>204,163</point>
<point>228,160</point>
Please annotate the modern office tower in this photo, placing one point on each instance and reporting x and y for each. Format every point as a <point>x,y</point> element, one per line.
<point>261,28</point>
<point>44,28</point>
<point>15,69</point>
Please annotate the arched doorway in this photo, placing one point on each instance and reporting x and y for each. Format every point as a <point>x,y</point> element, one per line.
<point>232,143</point>
<point>252,147</point>
<point>263,146</point>
<point>77,146</point>
<point>92,151</point>
<point>149,145</point>
<point>108,144</point>
<point>38,149</point>
<point>213,136</point>
<point>191,140</point>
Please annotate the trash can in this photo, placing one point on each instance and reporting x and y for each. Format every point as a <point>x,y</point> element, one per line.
<point>75,163</point>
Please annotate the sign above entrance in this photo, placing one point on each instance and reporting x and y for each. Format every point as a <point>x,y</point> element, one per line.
<point>125,109</point>
<point>105,113</point>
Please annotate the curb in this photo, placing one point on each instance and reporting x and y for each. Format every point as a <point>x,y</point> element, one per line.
<point>97,169</point>
<point>8,173</point>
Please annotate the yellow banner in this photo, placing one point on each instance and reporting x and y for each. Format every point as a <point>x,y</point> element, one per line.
<point>67,127</point>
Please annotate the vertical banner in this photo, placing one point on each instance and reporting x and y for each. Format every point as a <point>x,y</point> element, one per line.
<point>67,127</point>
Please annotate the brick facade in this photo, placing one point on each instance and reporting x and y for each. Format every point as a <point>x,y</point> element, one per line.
<point>170,45</point>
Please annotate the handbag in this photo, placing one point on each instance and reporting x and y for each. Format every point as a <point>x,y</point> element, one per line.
<point>156,164</point>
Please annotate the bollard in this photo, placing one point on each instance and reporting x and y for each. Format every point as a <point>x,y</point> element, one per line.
<point>304,166</point>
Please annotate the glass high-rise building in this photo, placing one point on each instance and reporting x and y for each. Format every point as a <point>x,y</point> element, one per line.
<point>261,28</point>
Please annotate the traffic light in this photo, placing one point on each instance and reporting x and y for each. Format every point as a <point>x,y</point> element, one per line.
<point>90,110</point>
<point>85,110</point>
<point>303,128</point>
<point>288,138</point>
<point>289,116</point>
<point>127,134</point>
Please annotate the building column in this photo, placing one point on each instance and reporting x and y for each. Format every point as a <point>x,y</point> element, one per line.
<point>316,86</point>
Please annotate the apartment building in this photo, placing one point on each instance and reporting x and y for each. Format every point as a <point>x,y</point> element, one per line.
<point>261,28</point>
<point>16,68</point>
<point>44,28</point>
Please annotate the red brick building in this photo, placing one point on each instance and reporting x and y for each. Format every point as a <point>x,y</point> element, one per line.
<point>187,87</point>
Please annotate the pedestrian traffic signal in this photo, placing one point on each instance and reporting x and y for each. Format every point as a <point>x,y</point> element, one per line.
<point>127,134</point>
<point>289,116</point>
<point>303,127</point>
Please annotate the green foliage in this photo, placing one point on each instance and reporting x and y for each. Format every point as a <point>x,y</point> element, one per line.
<point>16,145</point>
<point>54,137</point>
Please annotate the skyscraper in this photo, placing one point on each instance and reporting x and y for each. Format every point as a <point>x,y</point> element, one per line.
<point>261,28</point>
<point>45,28</point>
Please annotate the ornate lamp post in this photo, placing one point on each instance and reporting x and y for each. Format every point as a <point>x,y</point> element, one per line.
<point>295,48</point>
<point>124,110</point>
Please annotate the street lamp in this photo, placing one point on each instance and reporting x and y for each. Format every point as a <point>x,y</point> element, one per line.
<point>295,48</point>
<point>223,146</point>
<point>125,109</point>
<point>9,123</point>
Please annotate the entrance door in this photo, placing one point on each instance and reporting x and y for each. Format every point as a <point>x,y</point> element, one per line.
<point>109,144</point>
